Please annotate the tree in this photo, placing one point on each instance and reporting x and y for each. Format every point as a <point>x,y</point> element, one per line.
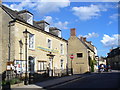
<point>92,63</point>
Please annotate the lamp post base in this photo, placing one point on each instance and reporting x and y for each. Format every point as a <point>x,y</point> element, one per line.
<point>26,81</point>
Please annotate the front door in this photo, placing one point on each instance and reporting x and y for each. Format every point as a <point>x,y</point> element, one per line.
<point>31,64</point>
<point>50,67</point>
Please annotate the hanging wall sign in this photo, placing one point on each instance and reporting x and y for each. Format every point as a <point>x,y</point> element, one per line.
<point>47,49</point>
<point>10,65</point>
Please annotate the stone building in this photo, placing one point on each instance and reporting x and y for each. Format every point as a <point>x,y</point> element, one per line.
<point>46,49</point>
<point>102,60</point>
<point>82,51</point>
<point>113,58</point>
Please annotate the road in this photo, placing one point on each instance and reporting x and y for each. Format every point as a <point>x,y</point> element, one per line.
<point>102,80</point>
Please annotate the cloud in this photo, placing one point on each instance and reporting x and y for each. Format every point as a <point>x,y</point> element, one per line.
<point>90,35</point>
<point>21,5</point>
<point>114,16</point>
<point>62,25</point>
<point>54,23</point>
<point>88,12</point>
<point>47,7</point>
<point>65,0</point>
<point>112,41</point>
<point>48,19</point>
<point>41,6</point>
<point>110,22</point>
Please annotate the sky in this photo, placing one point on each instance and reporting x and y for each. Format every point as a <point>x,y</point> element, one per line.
<point>97,21</point>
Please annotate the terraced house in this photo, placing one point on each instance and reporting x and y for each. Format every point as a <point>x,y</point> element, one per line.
<point>113,58</point>
<point>82,52</point>
<point>45,48</point>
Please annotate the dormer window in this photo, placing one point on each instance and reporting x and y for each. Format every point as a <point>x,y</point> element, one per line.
<point>55,31</point>
<point>59,33</point>
<point>44,25</point>
<point>27,16</point>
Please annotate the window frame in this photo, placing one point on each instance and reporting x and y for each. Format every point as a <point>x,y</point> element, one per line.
<point>33,42</point>
<point>62,64</point>
<point>50,43</point>
<point>81,55</point>
<point>61,49</point>
<point>42,65</point>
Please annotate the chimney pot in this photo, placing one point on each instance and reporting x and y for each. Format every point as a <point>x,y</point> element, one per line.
<point>90,42</point>
<point>84,39</point>
<point>73,32</point>
<point>81,38</point>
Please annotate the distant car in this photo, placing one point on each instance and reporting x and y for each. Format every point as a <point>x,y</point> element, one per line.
<point>109,68</point>
<point>102,68</point>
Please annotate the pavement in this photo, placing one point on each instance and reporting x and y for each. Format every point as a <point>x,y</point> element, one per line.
<point>53,82</point>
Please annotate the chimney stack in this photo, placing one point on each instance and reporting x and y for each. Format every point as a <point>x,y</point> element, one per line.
<point>84,39</point>
<point>0,1</point>
<point>111,50</point>
<point>81,38</point>
<point>90,42</point>
<point>73,32</point>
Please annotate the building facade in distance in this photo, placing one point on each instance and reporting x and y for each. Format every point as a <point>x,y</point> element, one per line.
<point>82,51</point>
<point>113,58</point>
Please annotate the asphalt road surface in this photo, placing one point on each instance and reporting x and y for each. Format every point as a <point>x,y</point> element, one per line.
<point>102,80</point>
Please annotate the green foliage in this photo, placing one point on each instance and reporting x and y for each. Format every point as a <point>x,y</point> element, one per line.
<point>3,82</point>
<point>12,81</point>
<point>92,63</point>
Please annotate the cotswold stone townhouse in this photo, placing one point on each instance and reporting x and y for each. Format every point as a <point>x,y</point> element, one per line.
<point>82,52</point>
<point>113,58</point>
<point>45,48</point>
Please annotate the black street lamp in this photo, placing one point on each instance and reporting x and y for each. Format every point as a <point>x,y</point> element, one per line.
<point>26,36</point>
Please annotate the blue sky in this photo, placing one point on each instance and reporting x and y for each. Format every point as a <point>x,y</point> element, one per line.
<point>98,21</point>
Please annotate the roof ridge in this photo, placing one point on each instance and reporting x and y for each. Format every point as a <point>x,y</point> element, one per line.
<point>85,44</point>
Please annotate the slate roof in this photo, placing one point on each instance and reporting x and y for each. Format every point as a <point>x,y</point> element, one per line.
<point>23,11</point>
<point>14,15</point>
<point>114,52</point>
<point>42,21</point>
<point>54,28</point>
<point>86,45</point>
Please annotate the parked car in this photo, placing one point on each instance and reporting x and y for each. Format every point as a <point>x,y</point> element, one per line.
<point>102,68</point>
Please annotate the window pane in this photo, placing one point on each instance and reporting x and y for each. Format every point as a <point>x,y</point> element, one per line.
<point>61,48</point>
<point>61,64</point>
<point>79,55</point>
<point>49,43</point>
<point>42,65</point>
<point>31,40</point>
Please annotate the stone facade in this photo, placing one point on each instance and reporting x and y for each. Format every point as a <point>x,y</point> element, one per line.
<point>113,58</point>
<point>5,43</point>
<point>40,56</point>
<point>81,53</point>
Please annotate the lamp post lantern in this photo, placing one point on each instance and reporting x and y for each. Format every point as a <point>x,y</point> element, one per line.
<point>26,36</point>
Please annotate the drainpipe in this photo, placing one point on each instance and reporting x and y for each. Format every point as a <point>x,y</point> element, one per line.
<point>67,60</point>
<point>9,42</point>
